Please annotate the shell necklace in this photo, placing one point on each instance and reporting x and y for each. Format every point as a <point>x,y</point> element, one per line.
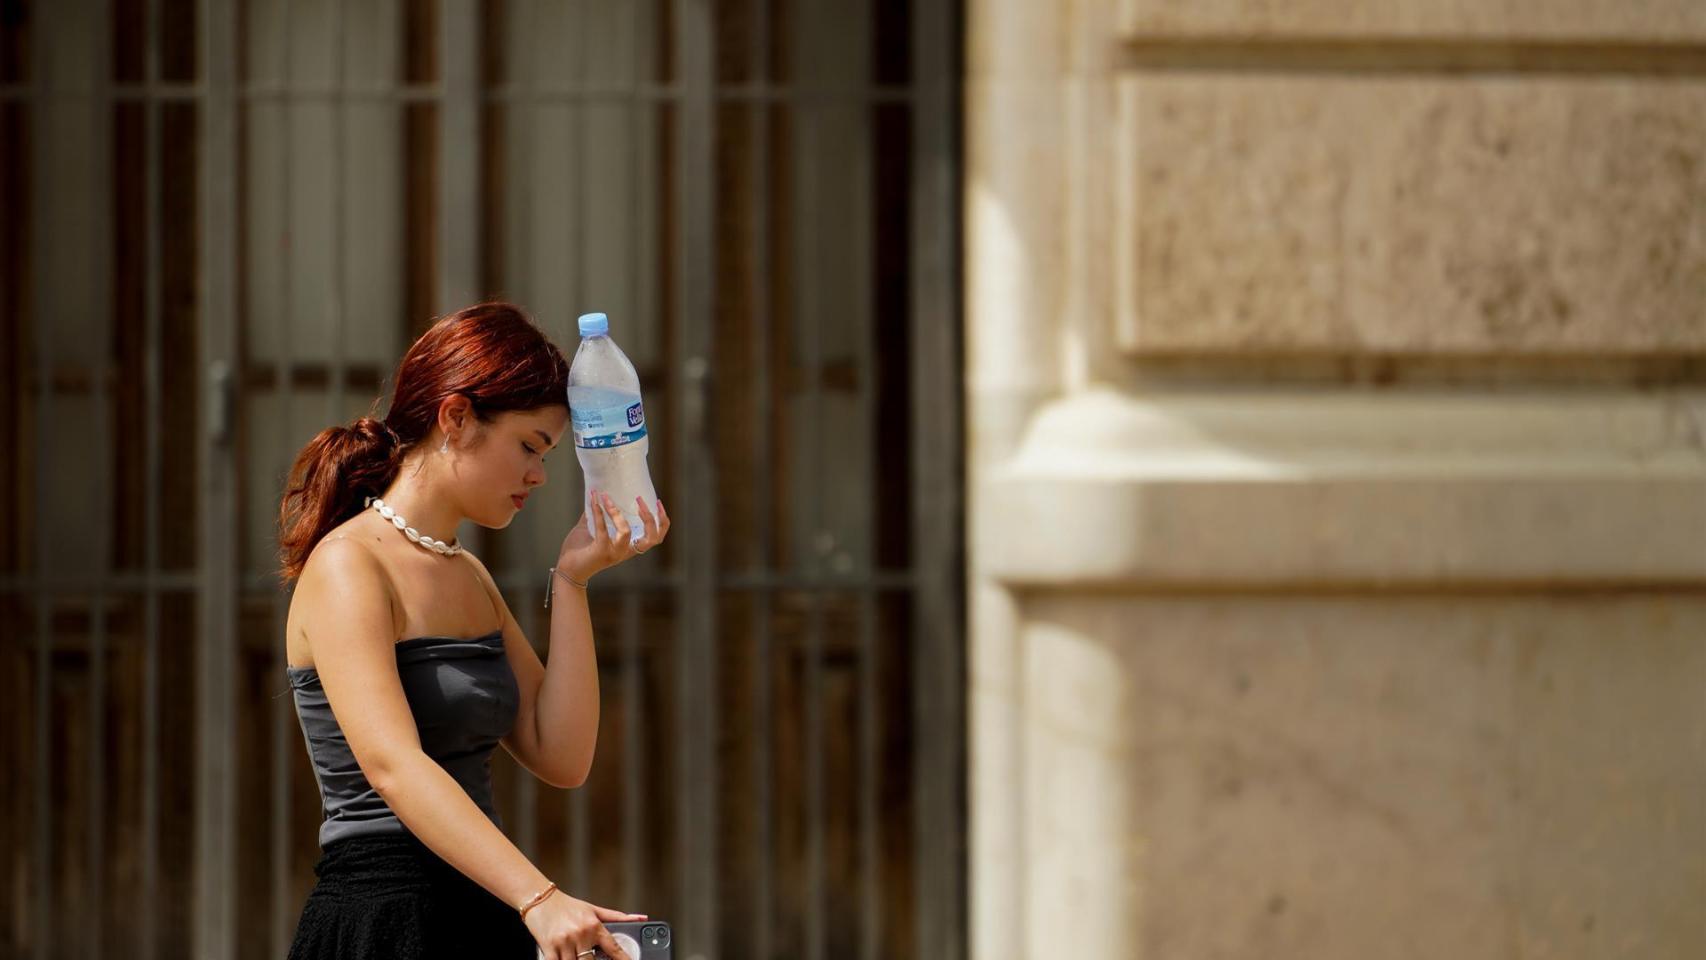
<point>415,536</point>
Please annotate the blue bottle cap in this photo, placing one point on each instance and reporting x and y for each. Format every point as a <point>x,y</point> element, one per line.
<point>594,324</point>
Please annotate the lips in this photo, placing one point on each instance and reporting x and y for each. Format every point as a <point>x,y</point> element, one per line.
<point>518,501</point>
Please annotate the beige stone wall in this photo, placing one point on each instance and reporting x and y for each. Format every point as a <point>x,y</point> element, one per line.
<point>1337,410</point>
<point>1403,214</point>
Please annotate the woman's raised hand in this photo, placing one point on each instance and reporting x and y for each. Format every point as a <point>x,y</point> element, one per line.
<point>589,547</point>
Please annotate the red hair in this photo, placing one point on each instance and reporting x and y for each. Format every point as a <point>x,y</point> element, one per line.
<point>491,353</point>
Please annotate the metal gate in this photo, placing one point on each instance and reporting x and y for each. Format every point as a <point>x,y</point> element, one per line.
<point>221,224</point>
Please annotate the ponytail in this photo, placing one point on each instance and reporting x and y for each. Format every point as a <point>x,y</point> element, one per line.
<point>331,479</point>
<point>491,353</point>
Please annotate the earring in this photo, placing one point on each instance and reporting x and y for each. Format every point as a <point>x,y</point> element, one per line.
<point>446,447</point>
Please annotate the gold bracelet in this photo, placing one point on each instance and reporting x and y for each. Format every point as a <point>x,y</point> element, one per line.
<point>551,585</point>
<point>538,898</point>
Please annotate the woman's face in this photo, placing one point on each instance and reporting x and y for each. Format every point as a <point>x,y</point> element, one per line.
<point>509,461</point>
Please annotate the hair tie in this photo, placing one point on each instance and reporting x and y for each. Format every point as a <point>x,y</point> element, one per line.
<point>396,441</point>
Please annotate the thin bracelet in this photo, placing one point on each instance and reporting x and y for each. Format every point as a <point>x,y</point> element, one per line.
<point>551,585</point>
<point>538,898</point>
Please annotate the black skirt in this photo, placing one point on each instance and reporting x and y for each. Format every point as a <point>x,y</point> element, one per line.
<point>391,897</point>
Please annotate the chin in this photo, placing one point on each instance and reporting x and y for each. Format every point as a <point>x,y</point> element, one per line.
<point>493,521</point>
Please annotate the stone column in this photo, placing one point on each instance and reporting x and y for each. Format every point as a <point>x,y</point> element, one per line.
<point>1337,403</point>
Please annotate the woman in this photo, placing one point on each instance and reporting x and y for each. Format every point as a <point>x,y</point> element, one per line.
<point>408,668</point>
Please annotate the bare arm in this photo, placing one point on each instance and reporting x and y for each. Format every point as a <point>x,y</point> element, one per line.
<point>556,726</point>
<point>556,723</point>
<point>349,603</point>
<point>566,704</point>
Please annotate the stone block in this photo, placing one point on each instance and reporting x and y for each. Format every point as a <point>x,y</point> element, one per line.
<point>1521,216</point>
<point>1465,776</point>
<point>1349,488</point>
<point>1583,20</point>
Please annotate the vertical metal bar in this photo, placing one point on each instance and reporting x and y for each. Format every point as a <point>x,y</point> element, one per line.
<point>576,16</point>
<point>696,809</point>
<point>43,769</point>
<point>95,814</point>
<point>938,688</point>
<point>284,716</point>
<point>808,190</point>
<point>340,214</point>
<point>26,96</point>
<point>151,175</point>
<point>288,105</point>
<point>579,23</point>
<point>816,925</point>
<point>870,913</point>
<point>632,717</point>
<point>632,740</point>
<point>459,154</point>
<point>528,99</point>
<point>95,824</point>
<point>763,714</point>
<point>214,933</point>
<point>870,769</point>
<point>42,836</point>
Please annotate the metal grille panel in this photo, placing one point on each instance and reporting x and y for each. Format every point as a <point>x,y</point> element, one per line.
<point>223,225</point>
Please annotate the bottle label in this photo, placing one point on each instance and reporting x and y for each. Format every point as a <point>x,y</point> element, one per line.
<point>600,428</point>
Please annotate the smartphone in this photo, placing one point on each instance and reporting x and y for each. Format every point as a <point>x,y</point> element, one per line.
<point>645,940</point>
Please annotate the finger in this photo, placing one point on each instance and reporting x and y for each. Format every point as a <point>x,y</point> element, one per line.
<point>616,517</point>
<point>607,943</point>
<point>663,518</point>
<point>646,518</point>
<point>615,916</point>
<point>594,521</point>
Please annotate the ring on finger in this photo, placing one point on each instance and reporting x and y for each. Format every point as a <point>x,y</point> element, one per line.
<point>585,953</point>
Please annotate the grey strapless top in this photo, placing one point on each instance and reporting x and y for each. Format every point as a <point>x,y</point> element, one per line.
<point>464,698</point>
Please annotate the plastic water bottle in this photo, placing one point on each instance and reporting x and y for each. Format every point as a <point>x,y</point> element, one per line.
<point>609,423</point>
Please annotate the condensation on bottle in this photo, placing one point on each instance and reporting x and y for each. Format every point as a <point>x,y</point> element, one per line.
<point>608,418</point>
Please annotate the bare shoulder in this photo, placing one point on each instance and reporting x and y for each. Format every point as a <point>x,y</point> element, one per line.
<point>337,558</point>
<point>346,613</point>
<point>344,590</point>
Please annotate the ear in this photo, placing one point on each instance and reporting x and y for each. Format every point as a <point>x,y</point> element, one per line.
<point>455,414</point>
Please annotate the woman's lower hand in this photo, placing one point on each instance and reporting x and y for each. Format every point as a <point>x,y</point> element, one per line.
<point>589,547</point>
<point>566,928</point>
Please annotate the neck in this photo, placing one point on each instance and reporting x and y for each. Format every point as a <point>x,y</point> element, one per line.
<point>428,510</point>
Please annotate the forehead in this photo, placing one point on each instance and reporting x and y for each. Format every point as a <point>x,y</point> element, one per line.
<point>552,420</point>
